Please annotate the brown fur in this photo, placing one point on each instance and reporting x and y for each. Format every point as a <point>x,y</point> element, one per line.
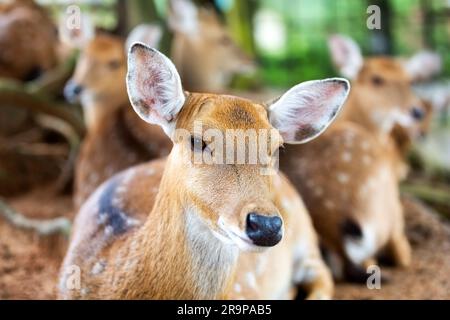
<point>167,249</point>
<point>27,40</point>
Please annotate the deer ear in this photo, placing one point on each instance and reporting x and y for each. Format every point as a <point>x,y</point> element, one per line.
<point>148,34</point>
<point>75,29</point>
<point>423,65</point>
<point>307,109</point>
<point>183,17</point>
<point>346,55</point>
<point>154,86</point>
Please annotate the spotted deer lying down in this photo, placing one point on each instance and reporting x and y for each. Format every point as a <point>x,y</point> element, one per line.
<point>178,228</point>
<point>349,176</point>
<point>116,137</point>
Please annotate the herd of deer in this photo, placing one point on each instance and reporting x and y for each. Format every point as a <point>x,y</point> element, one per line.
<point>154,224</point>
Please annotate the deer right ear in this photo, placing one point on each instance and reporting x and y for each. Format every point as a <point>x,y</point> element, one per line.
<point>346,55</point>
<point>306,110</point>
<point>154,86</point>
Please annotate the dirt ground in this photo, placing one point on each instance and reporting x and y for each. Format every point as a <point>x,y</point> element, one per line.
<point>29,264</point>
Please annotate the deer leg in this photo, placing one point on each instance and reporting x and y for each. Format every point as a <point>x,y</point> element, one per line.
<point>399,250</point>
<point>315,279</point>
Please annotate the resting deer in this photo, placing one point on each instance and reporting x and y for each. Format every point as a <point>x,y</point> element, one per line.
<point>28,42</point>
<point>203,51</point>
<point>116,137</point>
<point>349,176</point>
<point>382,97</point>
<point>179,229</point>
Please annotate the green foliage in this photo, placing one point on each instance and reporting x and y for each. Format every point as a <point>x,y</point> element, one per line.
<point>309,23</point>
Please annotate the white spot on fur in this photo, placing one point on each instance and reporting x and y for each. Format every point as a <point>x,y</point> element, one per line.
<point>318,191</point>
<point>346,156</point>
<point>329,204</point>
<point>98,267</point>
<point>251,280</point>
<point>237,288</point>
<point>342,177</point>
<point>109,230</point>
<point>262,262</point>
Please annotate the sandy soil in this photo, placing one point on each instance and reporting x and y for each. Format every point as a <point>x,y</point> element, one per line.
<point>29,264</point>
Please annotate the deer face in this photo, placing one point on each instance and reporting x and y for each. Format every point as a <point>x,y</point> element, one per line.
<point>100,69</point>
<point>231,194</point>
<point>203,50</point>
<point>383,90</point>
<point>382,85</point>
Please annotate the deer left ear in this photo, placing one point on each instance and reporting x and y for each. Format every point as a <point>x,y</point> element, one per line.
<point>307,109</point>
<point>154,86</point>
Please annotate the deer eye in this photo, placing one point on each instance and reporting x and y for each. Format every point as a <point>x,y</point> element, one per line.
<point>377,81</point>
<point>114,64</point>
<point>197,144</point>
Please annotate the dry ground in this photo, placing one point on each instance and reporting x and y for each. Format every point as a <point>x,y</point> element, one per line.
<point>29,263</point>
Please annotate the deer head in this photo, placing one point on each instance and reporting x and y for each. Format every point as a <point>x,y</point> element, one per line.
<point>234,199</point>
<point>203,50</point>
<point>382,96</point>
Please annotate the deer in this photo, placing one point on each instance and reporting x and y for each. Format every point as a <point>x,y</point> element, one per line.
<point>28,42</point>
<point>116,137</point>
<point>382,97</point>
<point>202,49</point>
<point>176,228</point>
<point>352,192</point>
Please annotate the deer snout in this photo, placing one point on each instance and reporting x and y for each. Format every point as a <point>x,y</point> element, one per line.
<point>264,231</point>
<point>72,91</point>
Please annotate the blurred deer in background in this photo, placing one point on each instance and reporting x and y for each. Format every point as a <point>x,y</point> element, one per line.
<point>116,137</point>
<point>173,228</point>
<point>202,49</point>
<point>382,97</point>
<point>349,176</point>
<point>28,40</point>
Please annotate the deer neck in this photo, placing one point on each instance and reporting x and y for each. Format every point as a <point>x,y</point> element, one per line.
<point>182,258</point>
<point>96,107</point>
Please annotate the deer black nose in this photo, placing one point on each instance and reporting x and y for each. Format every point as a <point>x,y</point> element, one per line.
<point>72,91</point>
<point>264,231</point>
<point>417,113</point>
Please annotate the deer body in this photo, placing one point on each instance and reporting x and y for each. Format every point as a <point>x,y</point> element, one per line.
<point>349,176</point>
<point>351,194</point>
<point>192,263</point>
<point>177,228</point>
